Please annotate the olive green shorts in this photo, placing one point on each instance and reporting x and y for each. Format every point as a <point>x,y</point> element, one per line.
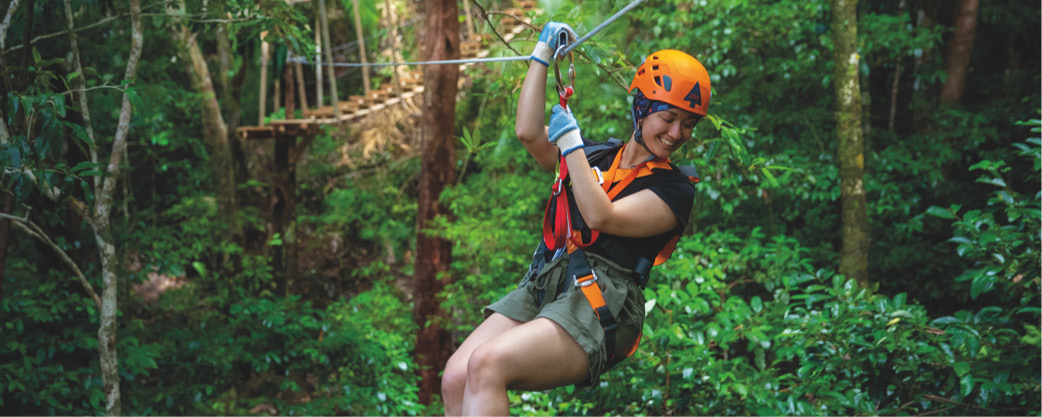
<point>573,312</point>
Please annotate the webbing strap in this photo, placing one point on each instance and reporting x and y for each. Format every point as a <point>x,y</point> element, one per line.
<point>557,224</point>
<point>586,280</point>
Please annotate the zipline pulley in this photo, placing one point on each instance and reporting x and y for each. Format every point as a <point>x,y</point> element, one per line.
<point>565,91</point>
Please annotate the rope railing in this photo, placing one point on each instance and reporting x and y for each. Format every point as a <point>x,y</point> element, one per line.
<point>584,38</point>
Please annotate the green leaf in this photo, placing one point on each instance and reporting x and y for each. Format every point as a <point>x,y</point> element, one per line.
<point>940,212</point>
<point>81,133</point>
<point>982,283</point>
<point>902,314</point>
<point>135,99</point>
<point>961,369</point>
<point>756,303</point>
<point>199,267</point>
<point>966,385</point>
<point>1031,310</point>
<point>59,104</point>
<point>996,181</point>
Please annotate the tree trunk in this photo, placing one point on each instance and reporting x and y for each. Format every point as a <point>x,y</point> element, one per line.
<point>232,108</point>
<point>107,331</point>
<point>924,91</point>
<point>902,8</point>
<point>5,224</point>
<point>440,41</point>
<point>215,131</point>
<point>960,50</point>
<point>5,235</point>
<point>392,20</point>
<point>361,47</point>
<point>327,49</point>
<point>285,211</point>
<point>854,260</point>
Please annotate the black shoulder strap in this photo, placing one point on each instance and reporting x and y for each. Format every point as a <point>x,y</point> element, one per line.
<point>690,172</point>
<point>595,150</point>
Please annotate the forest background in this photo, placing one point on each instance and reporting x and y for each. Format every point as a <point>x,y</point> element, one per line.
<point>149,265</point>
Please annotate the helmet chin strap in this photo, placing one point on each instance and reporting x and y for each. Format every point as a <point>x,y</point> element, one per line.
<point>638,135</point>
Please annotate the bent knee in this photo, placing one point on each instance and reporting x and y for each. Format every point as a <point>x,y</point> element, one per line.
<point>486,365</point>
<point>454,379</point>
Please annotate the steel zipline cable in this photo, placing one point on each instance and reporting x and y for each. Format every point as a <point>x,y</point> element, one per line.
<point>575,44</point>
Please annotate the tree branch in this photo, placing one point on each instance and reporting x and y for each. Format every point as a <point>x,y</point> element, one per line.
<point>63,32</point>
<point>492,26</point>
<point>11,8</point>
<point>613,74</point>
<point>81,94</point>
<point>52,192</point>
<point>33,230</point>
<point>103,203</point>
<point>14,4</point>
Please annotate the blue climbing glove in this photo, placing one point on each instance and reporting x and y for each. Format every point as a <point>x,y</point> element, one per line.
<point>549,39</point>
<point>564,131</point>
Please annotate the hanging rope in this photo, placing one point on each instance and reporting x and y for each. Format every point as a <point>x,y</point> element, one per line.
<point>600,27</point>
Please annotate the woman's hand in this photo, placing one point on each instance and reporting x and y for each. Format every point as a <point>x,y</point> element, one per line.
<point>530,124</point>
<point>564,131</point>
<point>554,35</point>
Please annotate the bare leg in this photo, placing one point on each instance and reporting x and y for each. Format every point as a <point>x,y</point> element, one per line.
<point>536,355</point>
<point>455,377</point>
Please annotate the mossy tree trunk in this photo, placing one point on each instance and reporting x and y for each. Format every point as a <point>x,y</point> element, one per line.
<point>854,259</point>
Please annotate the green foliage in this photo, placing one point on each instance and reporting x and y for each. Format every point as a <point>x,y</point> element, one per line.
<point>1003,239</point>
<point>47,341</point>
<point>371,210</point>
<point>747,318</point>
<point>743,325</point>
<point>281,354</point>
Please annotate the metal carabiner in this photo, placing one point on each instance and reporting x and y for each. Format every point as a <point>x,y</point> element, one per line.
<point>564,91</point>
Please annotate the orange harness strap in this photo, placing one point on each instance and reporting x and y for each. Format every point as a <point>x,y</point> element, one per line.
<point>586,279</point>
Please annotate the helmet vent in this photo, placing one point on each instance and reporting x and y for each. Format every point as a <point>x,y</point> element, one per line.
<point>654,68</point>
<point>658,81</point>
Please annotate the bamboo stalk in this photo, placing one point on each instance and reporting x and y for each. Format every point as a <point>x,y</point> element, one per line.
<point>394,50</point>
<point>265,57</point>
<point>318,68</point>
<point>361,47</point>
<point>329,57</point>
<point>299,71</point>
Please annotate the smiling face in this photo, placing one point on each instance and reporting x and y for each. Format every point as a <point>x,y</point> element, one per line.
<point>666,131</point>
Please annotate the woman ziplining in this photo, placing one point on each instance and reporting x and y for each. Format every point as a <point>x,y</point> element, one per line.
<point>617,209</point>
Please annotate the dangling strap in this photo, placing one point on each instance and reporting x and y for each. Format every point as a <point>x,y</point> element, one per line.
<point>586,280</point>
<point>557,225</point>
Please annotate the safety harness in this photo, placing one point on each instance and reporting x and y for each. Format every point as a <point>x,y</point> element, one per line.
<point>559,233</point>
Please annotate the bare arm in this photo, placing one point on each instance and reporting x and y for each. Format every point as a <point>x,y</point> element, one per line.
<point>640,214</point>
<point>531,112</point>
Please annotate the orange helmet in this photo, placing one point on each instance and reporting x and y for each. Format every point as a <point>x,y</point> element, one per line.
<point>676,78</point>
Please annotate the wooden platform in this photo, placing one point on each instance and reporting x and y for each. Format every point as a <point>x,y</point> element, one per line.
<point>356,107</point>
